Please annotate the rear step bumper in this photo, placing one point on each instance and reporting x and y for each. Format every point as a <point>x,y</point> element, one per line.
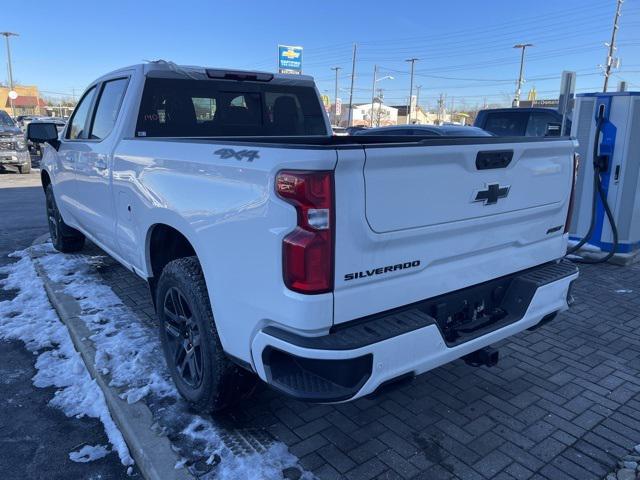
<point>358,357</point>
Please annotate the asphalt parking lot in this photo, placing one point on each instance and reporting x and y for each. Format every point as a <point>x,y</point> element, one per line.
<point>563,403</point>
<point>35,438</point>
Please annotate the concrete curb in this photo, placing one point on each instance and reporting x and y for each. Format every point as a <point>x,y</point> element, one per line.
<point>152,452</point>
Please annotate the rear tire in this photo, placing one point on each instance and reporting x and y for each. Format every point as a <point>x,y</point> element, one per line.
<point>201,371</point>
<point>64,238</point>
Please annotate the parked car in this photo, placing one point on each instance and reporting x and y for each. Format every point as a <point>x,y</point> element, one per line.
<point>521,122</point>
<point>339,131</point>
<point>355,128</point>
<point>20,119</point>
<point>267,257</point>
<point>14,155</point>
<point>426,130</point>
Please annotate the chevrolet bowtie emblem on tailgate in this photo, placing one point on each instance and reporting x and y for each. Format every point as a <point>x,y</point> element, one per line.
<point>492,194</point>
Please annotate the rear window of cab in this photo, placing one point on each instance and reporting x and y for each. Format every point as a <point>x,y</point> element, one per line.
<point>211,108</point>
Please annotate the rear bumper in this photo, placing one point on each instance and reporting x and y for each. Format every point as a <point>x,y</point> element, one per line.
<point>355,359</point>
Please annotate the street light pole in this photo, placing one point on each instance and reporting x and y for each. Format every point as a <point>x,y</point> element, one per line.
<point>523,46</point>
<point>6,37</point>
<point>413,61</point>
<point>335,97</point>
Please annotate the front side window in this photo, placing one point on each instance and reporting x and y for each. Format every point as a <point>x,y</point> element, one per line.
<point>5,119</point>
<point>79,119</point>
<point>108,108</point>
<point>210,108</point>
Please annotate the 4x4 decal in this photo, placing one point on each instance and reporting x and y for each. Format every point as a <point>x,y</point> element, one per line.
<point>249,155</point>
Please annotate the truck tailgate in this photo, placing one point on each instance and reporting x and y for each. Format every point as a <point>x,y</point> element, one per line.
<point>417,221</point>
<point>425,186</point>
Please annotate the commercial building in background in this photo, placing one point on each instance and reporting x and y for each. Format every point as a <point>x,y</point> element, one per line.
<point>420,116</point>
<point>542,102</point>
<point>28,101</point>
<point>383,115</point>
<point>289,59</point>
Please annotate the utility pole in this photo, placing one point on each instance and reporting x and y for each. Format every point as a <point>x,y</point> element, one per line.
<point>440,109</point>
<point>523,46</point>
<point>353,77</point>
<point>6,37</point>
<point>335,97</point>
<point>453,104</point>
<point>381,98</point>
<point>418,98</point>
<point>413,61</point>
<point>373,93</point>
<point>612,46</point>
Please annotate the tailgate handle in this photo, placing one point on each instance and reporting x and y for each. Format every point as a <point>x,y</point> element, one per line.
<point>493,159</point>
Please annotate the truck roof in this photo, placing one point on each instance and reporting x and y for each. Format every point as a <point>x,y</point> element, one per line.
<point>166,69</point>
<point>519,109</point>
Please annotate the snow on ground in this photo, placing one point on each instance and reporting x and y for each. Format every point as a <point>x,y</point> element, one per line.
<point>29,317</point>
<point>130,352</point>
<point>89,453</point>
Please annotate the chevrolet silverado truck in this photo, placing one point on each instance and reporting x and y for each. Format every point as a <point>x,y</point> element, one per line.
<point>14,155</point>
<point>327,266</point>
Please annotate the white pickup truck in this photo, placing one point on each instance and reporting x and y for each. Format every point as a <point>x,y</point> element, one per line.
<point>327,266</point>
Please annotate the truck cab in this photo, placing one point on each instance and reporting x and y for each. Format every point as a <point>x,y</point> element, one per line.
<point>521,122</point>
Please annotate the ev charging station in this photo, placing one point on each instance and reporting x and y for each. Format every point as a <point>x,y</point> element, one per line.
<point>613,180</point>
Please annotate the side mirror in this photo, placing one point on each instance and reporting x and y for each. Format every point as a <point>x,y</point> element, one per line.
<point>553,129</point>
<point>43,132</point>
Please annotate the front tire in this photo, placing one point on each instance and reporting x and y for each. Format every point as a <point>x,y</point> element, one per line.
<point>201,371</point>
<point>64,238</point>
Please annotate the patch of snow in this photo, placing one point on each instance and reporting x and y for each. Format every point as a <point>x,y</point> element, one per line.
<point>130,351</point>
<point>30,318</point>
<point>267,464</point>
<point>89,453</point>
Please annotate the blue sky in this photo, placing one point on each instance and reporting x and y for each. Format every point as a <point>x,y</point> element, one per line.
<point>464,47</point>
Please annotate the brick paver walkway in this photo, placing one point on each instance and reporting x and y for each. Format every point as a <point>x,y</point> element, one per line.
<point>563,403</point>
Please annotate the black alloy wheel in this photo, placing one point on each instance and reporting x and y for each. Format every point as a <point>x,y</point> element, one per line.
<point>183,338</point>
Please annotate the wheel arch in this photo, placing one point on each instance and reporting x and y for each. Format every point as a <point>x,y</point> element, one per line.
<point>45,178</point>
<point>165,243</point>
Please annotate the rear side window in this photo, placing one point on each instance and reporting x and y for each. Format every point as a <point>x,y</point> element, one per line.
<point>79,119</point>
<point>210,108</point>
<point>507,124</point>
<point>538,123</point>
<point>108,108</point>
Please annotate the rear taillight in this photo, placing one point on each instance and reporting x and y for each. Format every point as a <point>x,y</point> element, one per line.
<point>576,164</point>
<point>307,252</point>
